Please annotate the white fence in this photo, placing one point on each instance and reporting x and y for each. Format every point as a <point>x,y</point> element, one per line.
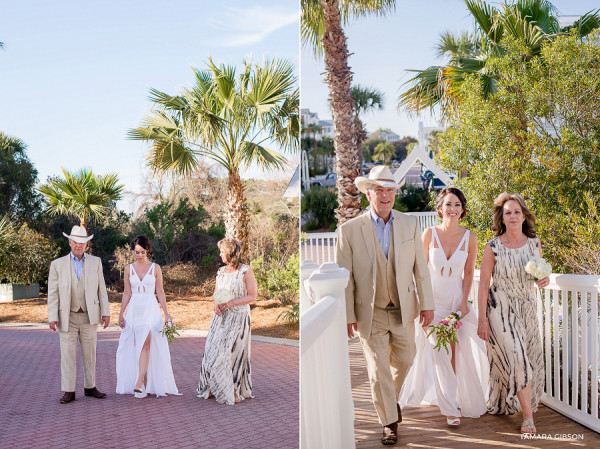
<point>569,327</point>
<point>320,246</point>
<point>571,345</point>
<point>327,408</point>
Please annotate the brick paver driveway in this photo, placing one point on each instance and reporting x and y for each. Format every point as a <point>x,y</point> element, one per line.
<point>31,416</point>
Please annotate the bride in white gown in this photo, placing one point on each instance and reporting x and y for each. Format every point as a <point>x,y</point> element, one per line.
<point>143,357</point>
<point>458,380</point>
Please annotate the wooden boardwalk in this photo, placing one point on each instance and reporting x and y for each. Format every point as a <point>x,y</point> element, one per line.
<point>424,427</point>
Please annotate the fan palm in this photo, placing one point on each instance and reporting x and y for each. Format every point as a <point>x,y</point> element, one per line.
<point>532,22</point>
<point>321,29</point>
<point>82,194</point>
<point>227,118</point>
<point>366,99</point>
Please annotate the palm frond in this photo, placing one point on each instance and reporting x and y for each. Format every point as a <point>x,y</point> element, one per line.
<point>485,17</point>
<point>586,23</point>
<point>263,157</point>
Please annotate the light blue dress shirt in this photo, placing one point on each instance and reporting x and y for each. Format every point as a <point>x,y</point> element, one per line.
<point>383,231</point>
<point>77,265</point>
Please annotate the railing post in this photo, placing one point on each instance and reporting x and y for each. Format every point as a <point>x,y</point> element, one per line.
<point>329,280</point>
<point>306,269</point>
<point>327,408</point>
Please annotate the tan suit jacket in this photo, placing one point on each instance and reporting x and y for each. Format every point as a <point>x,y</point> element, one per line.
<point>59,291</point>
<point>356,252</point>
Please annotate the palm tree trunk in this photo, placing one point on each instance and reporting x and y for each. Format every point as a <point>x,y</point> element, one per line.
<point>339,79</point>
<point>236,211</point>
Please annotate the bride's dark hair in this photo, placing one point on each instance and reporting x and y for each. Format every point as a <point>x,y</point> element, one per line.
<point>439,200</point>
<point>143,241</point>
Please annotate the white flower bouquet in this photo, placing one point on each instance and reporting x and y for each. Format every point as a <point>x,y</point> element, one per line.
<point>538,268</point>
<point>221,296</point>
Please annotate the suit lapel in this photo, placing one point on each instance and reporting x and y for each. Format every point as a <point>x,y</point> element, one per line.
<point>367,232</point>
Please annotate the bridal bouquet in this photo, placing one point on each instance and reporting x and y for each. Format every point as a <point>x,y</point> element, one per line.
<point>222,295</point>
<point>445,331</point>
<point>170,331</point>
<point>538,268</point>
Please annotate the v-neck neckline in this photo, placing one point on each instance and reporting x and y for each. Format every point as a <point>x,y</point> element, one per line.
<point>147,272</point>
<point>460,243</point>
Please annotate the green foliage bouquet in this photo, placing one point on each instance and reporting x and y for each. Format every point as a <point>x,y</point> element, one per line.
<point>170,331</point>
<point>445,331</point>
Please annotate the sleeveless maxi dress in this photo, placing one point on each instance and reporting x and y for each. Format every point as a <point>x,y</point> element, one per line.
<point>514,346</point>
<point>226,361</point>
<point>143,317</point>
<point>431,379</point>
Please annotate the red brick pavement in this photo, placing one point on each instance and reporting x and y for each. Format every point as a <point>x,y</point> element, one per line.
<point>31,416</point>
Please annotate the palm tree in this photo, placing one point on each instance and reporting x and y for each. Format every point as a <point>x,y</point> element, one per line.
<point>227,118</point>
<point>82,194</point>
<point>322,30</point>
<point>384,152</point>
<point>532,22</point>
<point>366,99</point>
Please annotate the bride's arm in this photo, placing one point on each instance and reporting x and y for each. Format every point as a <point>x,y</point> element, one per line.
<point>485,275</point>
<point>126,297</point>
<point>469,273</point>
<point>426,239</point>
<point>160,291</point>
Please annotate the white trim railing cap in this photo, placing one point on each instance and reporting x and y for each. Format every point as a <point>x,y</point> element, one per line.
<point>329,279</point>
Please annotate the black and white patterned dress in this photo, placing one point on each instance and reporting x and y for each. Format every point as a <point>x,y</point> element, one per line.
<point>226,360</point>
<point>514,346</point>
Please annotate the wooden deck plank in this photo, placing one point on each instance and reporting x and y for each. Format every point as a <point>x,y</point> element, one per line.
<point>424,427</point>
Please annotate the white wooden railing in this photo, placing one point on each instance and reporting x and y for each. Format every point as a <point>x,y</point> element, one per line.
<point>320,246</point>
<point>571,362</point>
<point>327,408</point>
<point>569,326</point>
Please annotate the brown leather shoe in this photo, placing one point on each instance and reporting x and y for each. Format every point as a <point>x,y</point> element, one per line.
<point>69,396</point>
<point>390,434</point>
<point>94,392</point>
<point>399,413</point>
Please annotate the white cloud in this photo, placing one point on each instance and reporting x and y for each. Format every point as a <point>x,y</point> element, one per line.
<point>248,26</point>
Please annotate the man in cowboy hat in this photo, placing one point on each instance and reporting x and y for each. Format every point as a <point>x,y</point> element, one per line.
<point>382,249</point>
<point>77,302</point>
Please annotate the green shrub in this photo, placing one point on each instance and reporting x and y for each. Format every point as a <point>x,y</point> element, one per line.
<point>27,256</point>
<point>276,282</point>
<point>291,316</point>
<point>413,199</point>
<point>176,233</point>
<point>318,205</point>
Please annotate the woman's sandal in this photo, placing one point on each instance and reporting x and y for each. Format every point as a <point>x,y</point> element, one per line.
<point>452,421</point>
<point>528,428</point>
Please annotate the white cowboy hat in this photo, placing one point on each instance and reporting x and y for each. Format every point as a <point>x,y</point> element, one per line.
<point>379,175</point>
<point>79,235</point>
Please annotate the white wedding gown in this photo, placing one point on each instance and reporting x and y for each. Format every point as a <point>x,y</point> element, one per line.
<point>431,379</point>
<point>143,317</point>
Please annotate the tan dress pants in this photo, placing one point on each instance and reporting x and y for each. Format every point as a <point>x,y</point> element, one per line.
<point>79,329</point>
<point>389,353</point>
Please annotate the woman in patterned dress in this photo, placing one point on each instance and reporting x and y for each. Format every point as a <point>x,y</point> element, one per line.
<point>510,325</point>
<point>225,372</point>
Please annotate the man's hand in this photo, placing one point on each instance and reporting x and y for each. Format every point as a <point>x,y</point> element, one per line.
<point>53,325</point>
<point>352,327</point>
<point>426,317</point>
<point>105,321</point>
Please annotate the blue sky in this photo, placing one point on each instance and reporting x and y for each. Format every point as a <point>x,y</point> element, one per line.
<point>75,76</point>
<point>384,48</point>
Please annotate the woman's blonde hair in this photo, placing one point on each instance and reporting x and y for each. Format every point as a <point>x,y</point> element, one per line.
<point>499,227</point>
<point>232,249</point>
